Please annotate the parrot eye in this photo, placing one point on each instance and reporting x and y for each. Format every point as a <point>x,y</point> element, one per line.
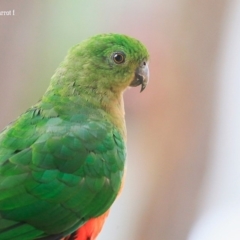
<point>118,57</point>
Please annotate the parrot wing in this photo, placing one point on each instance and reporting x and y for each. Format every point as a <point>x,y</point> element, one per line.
<point>56,173</point>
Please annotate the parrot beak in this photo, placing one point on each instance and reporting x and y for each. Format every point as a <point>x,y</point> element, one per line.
<point>141,76</point>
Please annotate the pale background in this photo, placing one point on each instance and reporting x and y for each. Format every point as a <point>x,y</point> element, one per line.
<point>183,179</point>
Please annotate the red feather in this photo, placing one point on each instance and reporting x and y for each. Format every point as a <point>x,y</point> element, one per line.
<point>90,230</point>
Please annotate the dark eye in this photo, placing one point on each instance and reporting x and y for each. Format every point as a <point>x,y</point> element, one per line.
<point>118,57</point>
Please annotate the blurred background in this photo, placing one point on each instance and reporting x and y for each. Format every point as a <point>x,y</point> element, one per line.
<point>183,178</point>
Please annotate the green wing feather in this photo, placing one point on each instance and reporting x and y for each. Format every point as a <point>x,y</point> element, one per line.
<point>57,170</point>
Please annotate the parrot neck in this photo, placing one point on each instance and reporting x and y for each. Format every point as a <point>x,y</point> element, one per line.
<point>115,108</point>
<point>81,96</point>
<point>110,102</point>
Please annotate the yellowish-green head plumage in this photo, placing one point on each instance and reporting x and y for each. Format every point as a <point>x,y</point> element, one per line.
<point>93,63</point>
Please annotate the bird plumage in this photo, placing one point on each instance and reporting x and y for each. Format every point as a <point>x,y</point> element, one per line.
<point>62,161</point>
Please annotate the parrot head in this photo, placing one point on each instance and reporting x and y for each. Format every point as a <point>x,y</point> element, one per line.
<point>107,62</point>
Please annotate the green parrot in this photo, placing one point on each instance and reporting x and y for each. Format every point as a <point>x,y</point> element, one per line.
<point>62,161</point>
